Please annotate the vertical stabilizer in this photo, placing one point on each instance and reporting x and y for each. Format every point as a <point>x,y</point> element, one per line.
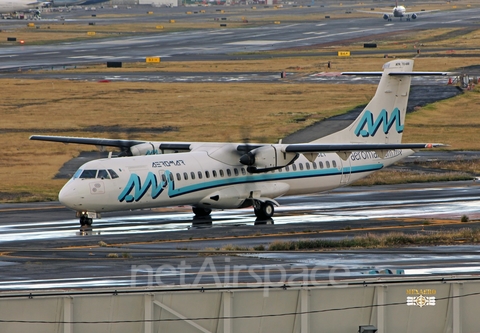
<point>383,118</point>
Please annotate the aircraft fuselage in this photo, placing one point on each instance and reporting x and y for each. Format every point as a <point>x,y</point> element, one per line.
<point>196,179</point>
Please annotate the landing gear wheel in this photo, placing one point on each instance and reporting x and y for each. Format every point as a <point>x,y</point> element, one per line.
<point>263,210</point>
<point>85,221</point>
<point>201,212</point>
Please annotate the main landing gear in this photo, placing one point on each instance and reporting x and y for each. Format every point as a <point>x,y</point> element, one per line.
<point>201,212</point>
<point>263,210</point>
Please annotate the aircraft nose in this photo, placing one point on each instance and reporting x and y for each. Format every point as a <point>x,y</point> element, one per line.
<point>68,196</point>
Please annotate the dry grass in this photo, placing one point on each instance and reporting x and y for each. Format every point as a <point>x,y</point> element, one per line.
<point>386,177</point>
<point>196,112</point>
<point>394,239</point>
<point>199,112</point>
<point>430,171</point>
<point>454,121</point>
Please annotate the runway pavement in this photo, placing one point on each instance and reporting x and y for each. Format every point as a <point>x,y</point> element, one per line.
<point>43,246</point>
<point>216,44</point>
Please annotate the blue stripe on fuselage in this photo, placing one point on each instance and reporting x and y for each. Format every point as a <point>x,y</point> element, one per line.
<point>252,178</point>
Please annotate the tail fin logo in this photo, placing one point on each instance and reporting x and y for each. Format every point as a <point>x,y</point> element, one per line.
<point>373,125</point>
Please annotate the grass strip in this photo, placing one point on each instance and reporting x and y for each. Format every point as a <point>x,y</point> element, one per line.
<point>394,239</point>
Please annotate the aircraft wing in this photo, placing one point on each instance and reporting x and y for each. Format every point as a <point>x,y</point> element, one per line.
<point>422,12</point>
<point>124,145</point>
<point>345,150</point>
<point>350,147</point>
<point>88,141</point>
<point>374,12</point>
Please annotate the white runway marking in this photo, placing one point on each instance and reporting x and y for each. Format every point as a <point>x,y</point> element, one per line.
<point>86,50</point>
<point>44,53</point>
<point>256,42</point>
<point>8,55</point>
<point>98,57</point>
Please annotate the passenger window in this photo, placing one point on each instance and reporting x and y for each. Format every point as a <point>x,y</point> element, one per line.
<point>192,175</point>
<point>207,174</point>
<point>287,168</point>
<point>320,164</point>
<point>294,167</point>
<point>103,174</point>
<point>301,166</point>
<point>243,171</point>
<point>221,173</point>
<point>179,177</point>
<point>314,165</point>
<point>327,163</point>
<point>334,163</point>
<point>185,176</point>
<point>87,174</point>
<point>235,171</point>
<point>113,174</point>
<point>171,177</point>
<point>214,173</point>
<point>229,173</point>
<point>307,165</point>
<point>164,178</point>
<point>200,175</point>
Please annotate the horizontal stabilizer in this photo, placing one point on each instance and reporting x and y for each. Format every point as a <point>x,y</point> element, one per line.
<point>400,73</point>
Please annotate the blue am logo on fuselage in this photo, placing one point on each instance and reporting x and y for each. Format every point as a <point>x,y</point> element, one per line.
<point>373,125</point>
<point>135,184</point>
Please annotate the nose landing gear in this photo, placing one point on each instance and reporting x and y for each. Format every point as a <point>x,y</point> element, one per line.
<point>86,218</point>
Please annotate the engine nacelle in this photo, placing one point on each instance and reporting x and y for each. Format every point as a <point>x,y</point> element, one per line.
<point>268,158</point>
<point>144,149</point>
<point>385,16</point>
<point>414,16</point>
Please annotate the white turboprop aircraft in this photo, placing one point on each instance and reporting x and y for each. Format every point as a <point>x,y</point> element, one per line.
<point>232,175</point>
<point>400,12</point>
<point>11,6</point>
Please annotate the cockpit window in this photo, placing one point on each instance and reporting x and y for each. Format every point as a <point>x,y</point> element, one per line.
<point>113,173</point>
<point>103,174</point>
<point>89,174</point>
<point>78,173</point>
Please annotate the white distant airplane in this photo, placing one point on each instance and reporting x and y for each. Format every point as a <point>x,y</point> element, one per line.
<point>11,6</point>
<point>400,12</point>
<point>210,176</point>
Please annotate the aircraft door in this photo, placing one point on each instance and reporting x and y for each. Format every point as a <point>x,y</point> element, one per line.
<point>346,170</point>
